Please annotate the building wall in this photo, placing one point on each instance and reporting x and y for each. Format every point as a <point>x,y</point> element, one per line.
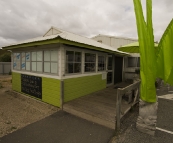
<point>75,84</point>
<point>77,87</point>
<point>113,41</point>
<point>5,67</point>
<point>50,88</point>
<point>16,81</point>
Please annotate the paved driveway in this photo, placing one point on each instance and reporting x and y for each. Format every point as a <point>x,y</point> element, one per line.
<point>60,127</point>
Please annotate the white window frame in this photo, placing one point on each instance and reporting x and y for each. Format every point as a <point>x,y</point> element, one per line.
<point>57,50</point>
<point>17,52</point>
<point>135,62</point>
<point>94,53</point>
<point>73,62</point>
<point>36,61</point>
<point>105,65</point>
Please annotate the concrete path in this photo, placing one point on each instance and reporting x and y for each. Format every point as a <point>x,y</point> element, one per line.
<point>60,127</point>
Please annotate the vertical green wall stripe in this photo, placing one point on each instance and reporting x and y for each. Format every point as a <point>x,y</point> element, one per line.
<point>16,81</point>
<point>51,91</point>
<point>77,87</point>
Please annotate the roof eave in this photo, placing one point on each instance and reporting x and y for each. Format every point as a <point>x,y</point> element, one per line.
<point>63,41</point>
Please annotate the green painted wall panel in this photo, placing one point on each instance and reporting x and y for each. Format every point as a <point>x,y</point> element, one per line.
<point>51,91</point>
<point>77,87</point>
<point>16,81</point>
<point>50,88</point>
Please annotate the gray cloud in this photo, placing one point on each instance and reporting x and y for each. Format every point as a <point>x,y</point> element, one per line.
<point>22,20</point>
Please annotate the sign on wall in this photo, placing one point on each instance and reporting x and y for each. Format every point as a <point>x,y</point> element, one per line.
<point>31,85</point>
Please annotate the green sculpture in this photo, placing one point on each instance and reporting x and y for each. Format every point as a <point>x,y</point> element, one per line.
<point>155,62</point>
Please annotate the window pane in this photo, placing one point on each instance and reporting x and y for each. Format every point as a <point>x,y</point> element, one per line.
<point>28,56</point>
<point>39,56</point>
<point>23,65</point>
<point>47,67</point>
<point>18,65</point>
<point>46,55</point>
<point>69,56</point>
<point>39,66</point>
<point>87,57</point>
<point>28,66</point>
<point>93,58</point>
<point>33,66</point>
<point>89,67</point>
<point>77,57</point>
<point>101,67</point>
<point>69,68</point>
<point>109,63</point>
<point>23,57</point>
<point>131,61</point>
<point>14,65</point>
<point>18,57</point>
<point>101,63</point>
<point>54,68</point>
<point>54,56</point>
<point>90,57</point>
<point>33,56</point>
<point>77,67</point>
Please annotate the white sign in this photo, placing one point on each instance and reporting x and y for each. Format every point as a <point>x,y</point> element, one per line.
<point>104,75</point>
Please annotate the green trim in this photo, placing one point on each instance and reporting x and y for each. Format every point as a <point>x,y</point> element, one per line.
<point>38,43</point>
<point>63,41</point>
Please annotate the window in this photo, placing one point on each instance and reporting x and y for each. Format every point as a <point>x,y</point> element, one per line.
<point>25,65</point>
<point>90,62</point>
<point>50,61</point>
<point>27,58</point>
<point>101,63</point>
<point>73,62</point>
<point>16,61</point>
<point>110,65</point>
<point>37,61</point>
<point>133,62</point>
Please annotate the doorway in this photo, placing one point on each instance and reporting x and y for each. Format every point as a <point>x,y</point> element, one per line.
<point>118,68</point>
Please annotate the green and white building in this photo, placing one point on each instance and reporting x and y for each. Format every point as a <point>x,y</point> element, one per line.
<point>61,66</point>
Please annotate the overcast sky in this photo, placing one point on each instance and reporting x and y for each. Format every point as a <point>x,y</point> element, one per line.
<point>24,19</point>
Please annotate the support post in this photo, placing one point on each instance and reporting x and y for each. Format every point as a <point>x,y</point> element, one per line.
<point>118,110</point>
<point>62,95</point>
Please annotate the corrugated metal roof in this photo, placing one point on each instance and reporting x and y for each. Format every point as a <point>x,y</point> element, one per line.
<point>116,37</point>
<point>71,37</point>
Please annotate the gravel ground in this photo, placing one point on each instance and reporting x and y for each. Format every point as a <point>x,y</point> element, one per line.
<point>17,110</point>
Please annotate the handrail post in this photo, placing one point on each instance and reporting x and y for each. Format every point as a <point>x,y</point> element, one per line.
<point>61,94</point>
<point>118,110</point>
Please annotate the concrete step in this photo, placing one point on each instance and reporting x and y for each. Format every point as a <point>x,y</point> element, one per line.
<point>75,111</point>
